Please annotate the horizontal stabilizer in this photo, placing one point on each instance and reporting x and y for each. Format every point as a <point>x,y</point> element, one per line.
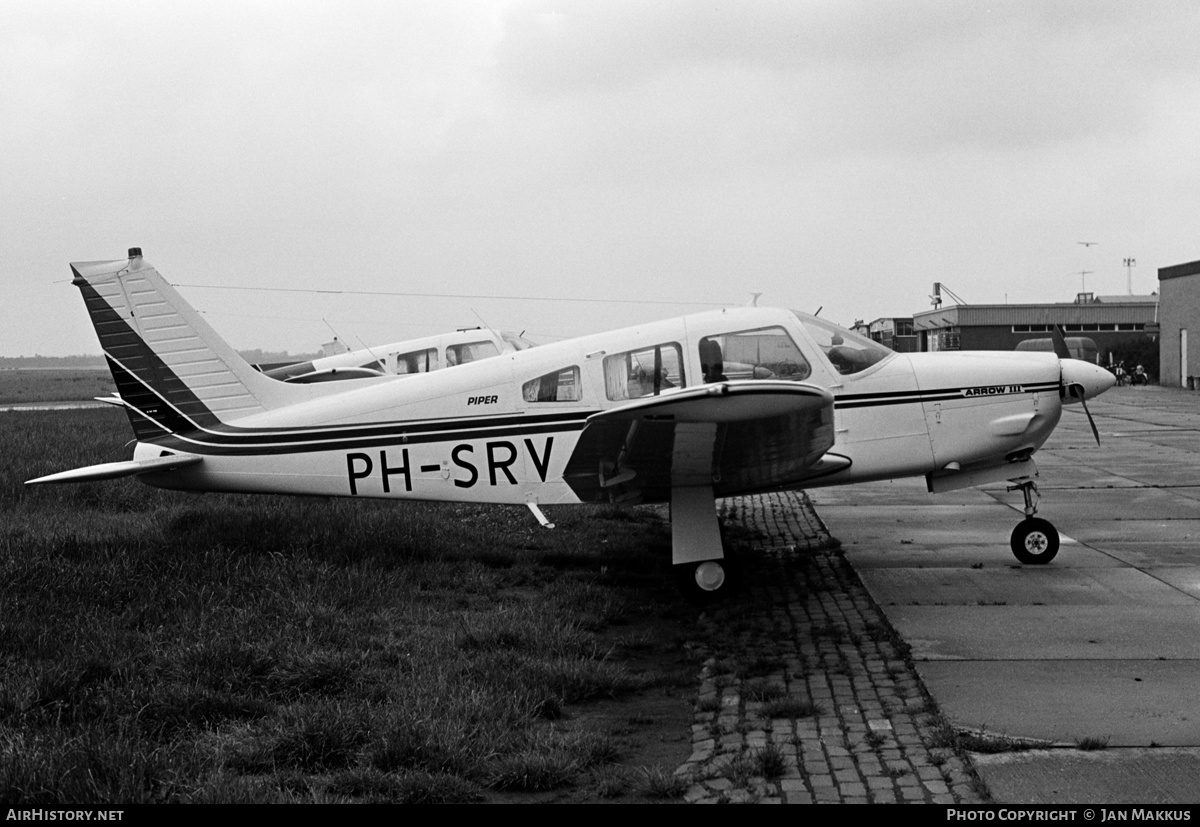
<point>112,470</point>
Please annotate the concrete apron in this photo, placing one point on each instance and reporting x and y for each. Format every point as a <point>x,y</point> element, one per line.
<point>1101,644</point>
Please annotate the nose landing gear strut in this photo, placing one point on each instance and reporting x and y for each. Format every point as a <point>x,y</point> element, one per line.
<point>1034,540</point>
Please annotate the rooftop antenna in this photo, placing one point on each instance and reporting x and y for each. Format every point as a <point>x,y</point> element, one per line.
<point>1084,273</point>
<point>938,289</point>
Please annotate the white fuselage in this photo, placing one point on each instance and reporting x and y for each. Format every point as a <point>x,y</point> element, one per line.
<point>479,433</point>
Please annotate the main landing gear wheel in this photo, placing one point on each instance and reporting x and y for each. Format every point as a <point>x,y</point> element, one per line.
<point>705,582</point>
<point>1034,541</point>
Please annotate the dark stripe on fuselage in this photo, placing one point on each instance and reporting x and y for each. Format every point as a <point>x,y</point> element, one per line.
<point>166,427</point>
<point>869,400</point>
<point>398,437</point>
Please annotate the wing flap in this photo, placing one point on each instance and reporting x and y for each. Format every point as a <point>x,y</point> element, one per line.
<point>736,436</point>
<point>113,470</point>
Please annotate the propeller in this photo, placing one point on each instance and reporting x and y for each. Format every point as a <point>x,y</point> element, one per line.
<point>1060,344</point>
<point>1075,389</point>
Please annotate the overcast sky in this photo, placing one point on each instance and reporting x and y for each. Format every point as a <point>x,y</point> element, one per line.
<point>837,154</point>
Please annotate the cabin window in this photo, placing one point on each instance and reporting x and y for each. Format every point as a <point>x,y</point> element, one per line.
<point>470,352</point>
<point>416,361</point>
<point>645,372</point>
<point>559,386</point>
<point>766,353</point>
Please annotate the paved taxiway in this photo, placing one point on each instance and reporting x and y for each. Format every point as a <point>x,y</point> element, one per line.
<point>1101,644</point>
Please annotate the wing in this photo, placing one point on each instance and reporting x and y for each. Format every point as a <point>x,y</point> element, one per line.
<point>736,437</point>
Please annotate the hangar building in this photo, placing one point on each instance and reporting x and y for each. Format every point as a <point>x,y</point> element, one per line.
<point>895,332</point>
<point>1179,344</point>
<point>1117,324</point>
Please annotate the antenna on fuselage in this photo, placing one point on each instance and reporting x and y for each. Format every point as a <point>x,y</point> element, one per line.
<point>337,336</point>
<point>753,300</point>
<point>482,321</point>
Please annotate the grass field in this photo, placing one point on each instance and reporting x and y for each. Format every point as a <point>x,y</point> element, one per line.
<point>65,385</point>
<point>165,647</point>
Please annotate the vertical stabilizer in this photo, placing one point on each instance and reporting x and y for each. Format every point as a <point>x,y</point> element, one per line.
<point>172,370</point>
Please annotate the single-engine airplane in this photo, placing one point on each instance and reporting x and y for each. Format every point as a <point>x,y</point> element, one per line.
<point>681,411</point>
<point>407,358</point>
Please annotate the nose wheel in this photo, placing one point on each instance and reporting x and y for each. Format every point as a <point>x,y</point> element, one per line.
<point>1034,541</point>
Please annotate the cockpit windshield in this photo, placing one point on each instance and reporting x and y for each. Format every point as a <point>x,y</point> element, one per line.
<point>849,352</point>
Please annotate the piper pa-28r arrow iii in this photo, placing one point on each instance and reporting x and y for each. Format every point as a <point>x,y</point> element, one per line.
<point>680,411</point>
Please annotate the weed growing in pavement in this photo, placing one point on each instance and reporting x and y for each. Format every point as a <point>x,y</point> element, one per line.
<point>762,690</point>
<point>739,769</point>
<point>792,708</point>
<point>769,762</point>
<point>989,743</point>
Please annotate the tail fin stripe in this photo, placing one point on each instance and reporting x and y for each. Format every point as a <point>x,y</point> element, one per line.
<point>123,345</point>
<point>140,369</point>
<point>141,321</point>
<point>140,400</point>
